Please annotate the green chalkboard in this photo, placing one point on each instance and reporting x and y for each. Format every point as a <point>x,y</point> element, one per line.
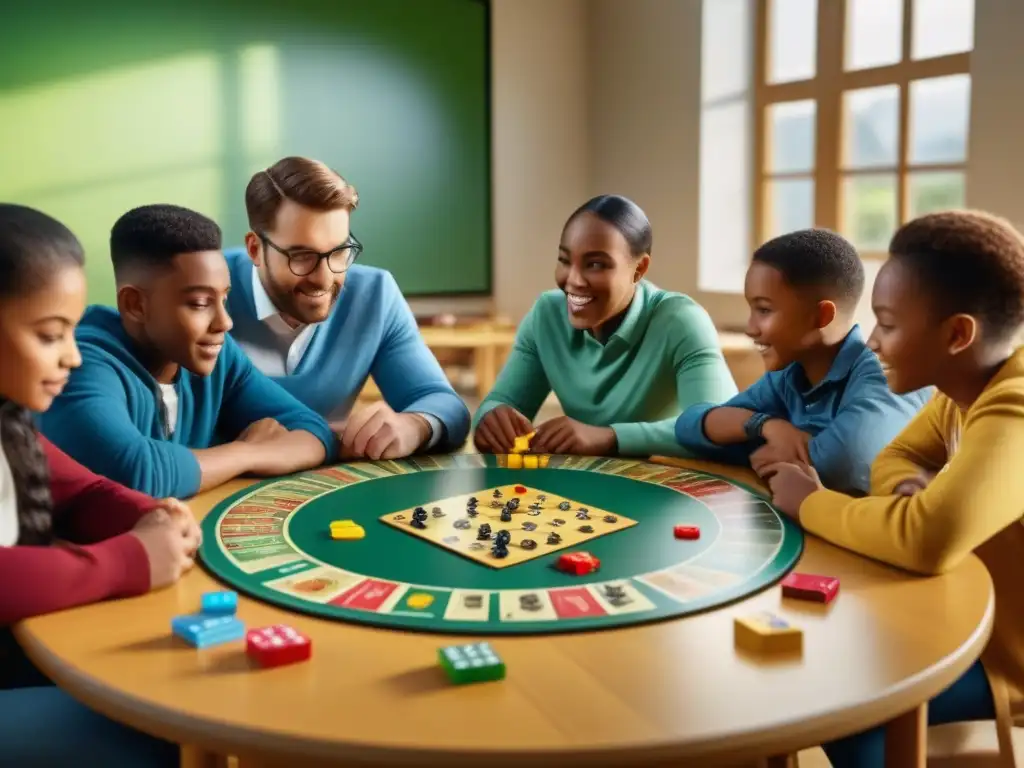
<point>110,104</point>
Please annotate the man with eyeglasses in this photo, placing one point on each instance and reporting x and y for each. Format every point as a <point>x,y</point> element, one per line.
<point>319,324</point>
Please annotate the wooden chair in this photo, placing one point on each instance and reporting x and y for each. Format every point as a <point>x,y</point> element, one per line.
<point>969,745</point>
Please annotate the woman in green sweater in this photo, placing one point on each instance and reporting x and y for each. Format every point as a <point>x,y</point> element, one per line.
<point>624,357</point>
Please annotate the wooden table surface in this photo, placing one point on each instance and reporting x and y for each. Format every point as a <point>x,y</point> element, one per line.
<point>649,695</point>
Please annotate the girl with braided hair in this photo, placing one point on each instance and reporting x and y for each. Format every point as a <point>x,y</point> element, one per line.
<point>67,536</point>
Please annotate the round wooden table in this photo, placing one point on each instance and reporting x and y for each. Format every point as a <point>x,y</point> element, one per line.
<point>670,693</point>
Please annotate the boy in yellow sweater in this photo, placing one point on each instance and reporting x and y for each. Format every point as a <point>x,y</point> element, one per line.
<point>949,305</point>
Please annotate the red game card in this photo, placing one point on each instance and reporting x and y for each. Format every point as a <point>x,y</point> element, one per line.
<point>367,595</point>
<point>807,586</point>
<point>575,603</point>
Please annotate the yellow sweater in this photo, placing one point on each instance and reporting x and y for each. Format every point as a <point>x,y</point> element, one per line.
<point>975,504</point>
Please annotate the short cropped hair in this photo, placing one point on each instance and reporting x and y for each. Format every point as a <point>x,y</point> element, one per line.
<point>968,262</point>
<point>307,182</point>
<point>152,235</point>
<point>817,259</point>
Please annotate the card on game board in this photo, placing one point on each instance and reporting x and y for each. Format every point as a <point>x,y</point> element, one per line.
<point>808,586</point>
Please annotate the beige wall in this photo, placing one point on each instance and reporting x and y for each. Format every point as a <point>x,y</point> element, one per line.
<point>595,96</point>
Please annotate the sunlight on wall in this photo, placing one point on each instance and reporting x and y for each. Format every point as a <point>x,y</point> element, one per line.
<point>92,147</point>
<point>259,94</point>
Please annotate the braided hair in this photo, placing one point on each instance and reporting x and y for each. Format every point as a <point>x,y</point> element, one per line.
<point>33,246</point>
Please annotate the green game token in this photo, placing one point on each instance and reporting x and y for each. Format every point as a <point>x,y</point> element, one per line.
<point>471,663</point>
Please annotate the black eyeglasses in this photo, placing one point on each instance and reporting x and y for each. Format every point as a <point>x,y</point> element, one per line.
<point>303,261</point>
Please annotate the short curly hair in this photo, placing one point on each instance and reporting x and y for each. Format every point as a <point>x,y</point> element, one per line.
<point>818,259</point>
<point>969,262</point>
<point>150,236</point>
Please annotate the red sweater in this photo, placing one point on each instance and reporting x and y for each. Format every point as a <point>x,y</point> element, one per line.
<point>105,561</point>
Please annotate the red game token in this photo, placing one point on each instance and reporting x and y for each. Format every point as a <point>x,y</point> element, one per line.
<point>578,563</point>
<point>806,586</point>
<point>519,489</point>
<point>687,532</point>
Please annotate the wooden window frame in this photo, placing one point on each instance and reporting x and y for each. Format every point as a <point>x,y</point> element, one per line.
<point>826,88</point>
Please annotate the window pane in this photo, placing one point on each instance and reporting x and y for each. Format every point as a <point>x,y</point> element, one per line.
<point>929,191</point>
<point>791,132</point>
<point>792,40</point>
<point>874,33</point>
<point>942,27</point>
<point>871,127</point>
<point>869,210</point>
<point>790,205</point>
<point>939,114</point>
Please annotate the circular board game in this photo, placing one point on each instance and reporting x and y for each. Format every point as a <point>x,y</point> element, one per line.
<point>274,542</point>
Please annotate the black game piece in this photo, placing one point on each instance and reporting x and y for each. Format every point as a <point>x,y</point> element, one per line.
<point>471,512</point>
<point>472,500</point>
<point>419,513</point>
<point>582,515</point>
<point>418,524</point>
<point>528,544</point>
<point>528,526</point>
<point>584,510</point>
<point>611,519</point>
<point>533,512</point>
<point>513,503</point>
<point>462,524</point>
<point>541,497</point>
<point>502,538</point>
<point>506,515</point>
<point>497,504</point>
<point>535,506</point>
<point>437,512</point>
<point>554,538</point>
<point>586,529</point>
<point>483,533</point>
<point>530,602</point>
<point>499,552</point>
<point>497,493</point>
<point>557,522</point>
<point>564,505</point>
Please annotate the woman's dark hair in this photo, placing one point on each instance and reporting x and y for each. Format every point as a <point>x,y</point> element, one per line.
<point>626,216</point>
<point>33,247</point>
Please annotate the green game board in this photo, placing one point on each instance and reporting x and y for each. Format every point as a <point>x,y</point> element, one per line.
<point>272,541</point>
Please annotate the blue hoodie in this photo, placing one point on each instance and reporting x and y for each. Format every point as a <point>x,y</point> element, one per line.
<point>111,417</point>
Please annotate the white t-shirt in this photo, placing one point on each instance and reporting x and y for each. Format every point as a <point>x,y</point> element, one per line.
<point>8,505</point>
<point>170,398</point>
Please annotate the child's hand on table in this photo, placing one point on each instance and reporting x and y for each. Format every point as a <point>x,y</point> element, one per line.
<point>790,485</point>
<point>783,443</point>
<point>170,539</point>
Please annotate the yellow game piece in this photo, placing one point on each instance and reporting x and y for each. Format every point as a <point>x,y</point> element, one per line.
<point>420,600</point>
<point>530,461</point>
<point>347,532</point>
<point>766,632</point>
<point>522,443</point>
<point>342,524</point>
<point>514,461</point>
<point>543,460</point>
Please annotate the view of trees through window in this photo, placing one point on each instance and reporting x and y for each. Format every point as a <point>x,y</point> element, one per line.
<point>862,114</point>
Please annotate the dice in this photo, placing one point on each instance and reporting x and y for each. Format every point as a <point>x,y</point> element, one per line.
<point>277,645</point>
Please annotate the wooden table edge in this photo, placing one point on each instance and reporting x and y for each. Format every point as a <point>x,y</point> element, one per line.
<point>237,739</point>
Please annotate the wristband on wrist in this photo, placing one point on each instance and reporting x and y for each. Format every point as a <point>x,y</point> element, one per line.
<point>754,428</point>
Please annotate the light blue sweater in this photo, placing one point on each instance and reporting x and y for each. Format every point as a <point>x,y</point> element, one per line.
<point>370,332</point>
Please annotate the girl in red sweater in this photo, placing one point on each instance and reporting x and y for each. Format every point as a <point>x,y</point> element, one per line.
<point>67,536</point>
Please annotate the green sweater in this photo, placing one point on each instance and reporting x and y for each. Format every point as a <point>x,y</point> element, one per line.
<point>664,357</point>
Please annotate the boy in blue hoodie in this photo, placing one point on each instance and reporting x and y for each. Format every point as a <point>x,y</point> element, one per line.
<point>164,401</point>
<point>824,400</point>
